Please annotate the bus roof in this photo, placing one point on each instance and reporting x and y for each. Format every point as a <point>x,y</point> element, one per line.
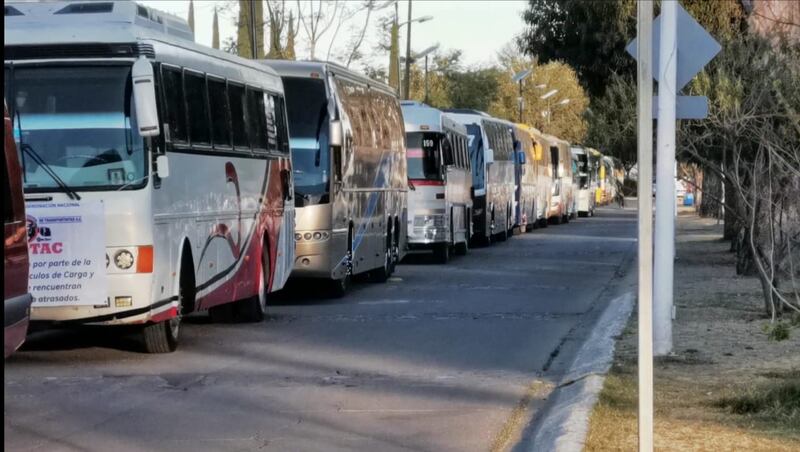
<point>82,29</point>
<point>420,118</point>
<point>319,69</point>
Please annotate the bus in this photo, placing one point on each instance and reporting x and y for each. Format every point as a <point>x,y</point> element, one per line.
<point>536,178</point>
<point>439,181</point>
<point>182,149</point>
<point>349,157</point>
<point>584,181</point>
<point>491,150</point>
<point>562,205</point>
<point>16,298</point>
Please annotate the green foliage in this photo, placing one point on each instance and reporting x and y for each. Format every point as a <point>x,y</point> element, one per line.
<point>473,88</point>
<point>612,119</point>
<point>779,331</point>
<point>590,36</point>
<point>775,403</point>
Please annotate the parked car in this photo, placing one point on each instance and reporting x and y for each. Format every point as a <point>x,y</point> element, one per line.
<point>17,300</point>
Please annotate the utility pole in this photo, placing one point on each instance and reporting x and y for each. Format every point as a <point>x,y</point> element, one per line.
<point>665,189</point>
<point>426,78</point>
<point>644,76</point>
<point>407,81</point>
<point>253,33</point>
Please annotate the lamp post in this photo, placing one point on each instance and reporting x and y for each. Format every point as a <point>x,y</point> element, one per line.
<point>549,110</point>
<point>408,22</point>
<point>518,78</point>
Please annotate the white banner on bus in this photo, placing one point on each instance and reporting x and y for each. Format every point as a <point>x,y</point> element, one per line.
<point>66,243</point>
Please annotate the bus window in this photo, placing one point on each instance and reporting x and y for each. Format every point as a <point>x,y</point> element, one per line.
<point>422,152</point>
<point>236,102</point>
<point>280,124</point>
<point>307,107</point>
<point>176,110</point>
<point>447,151</point>
<point>256,119</point>
<point>197,107</point>
<point>221,121</point>
<point>476,155</point>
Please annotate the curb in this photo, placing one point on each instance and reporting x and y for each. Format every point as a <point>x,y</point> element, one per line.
<point>565,421</point>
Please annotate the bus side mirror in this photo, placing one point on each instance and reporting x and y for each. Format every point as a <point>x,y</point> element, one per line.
<point>521,158</point>
<point>144,95</point>
<point>488,156</point>
<point>336,133</point>
<point>162,166</point>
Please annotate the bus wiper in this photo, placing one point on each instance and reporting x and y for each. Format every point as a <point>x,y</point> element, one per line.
<point>322,114</point>
<point>47,169</point>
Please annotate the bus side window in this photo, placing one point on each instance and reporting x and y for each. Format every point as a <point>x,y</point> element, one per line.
<point>447,151</point>
<point>176,109</point>
<point>281,124</point>
<point>236,102</point>
<point>197,107</point>
<point>257,125</point>
<point>220,114</point>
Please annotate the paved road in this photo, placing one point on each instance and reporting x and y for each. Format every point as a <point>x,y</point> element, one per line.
<point>454,357</point>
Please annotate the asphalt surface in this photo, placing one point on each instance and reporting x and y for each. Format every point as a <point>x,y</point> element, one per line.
<point>456,357</point>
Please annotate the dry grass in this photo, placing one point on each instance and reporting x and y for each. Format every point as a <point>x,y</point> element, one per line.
<point>728,386</point>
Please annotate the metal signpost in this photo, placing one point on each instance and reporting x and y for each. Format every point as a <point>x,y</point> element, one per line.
<point>683,48</point>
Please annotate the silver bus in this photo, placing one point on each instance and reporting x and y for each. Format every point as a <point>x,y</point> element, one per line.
<point>439,181</point>
<point>182,150</point>
<point>491,150</point>
<point>562,201</point>
<point>585,198</point>
<point>349,160</point>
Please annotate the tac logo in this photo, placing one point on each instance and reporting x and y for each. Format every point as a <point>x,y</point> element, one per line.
<point>40,234</point>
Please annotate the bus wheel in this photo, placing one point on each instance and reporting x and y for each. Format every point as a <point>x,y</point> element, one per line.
<point>162,337</point>
<point>337,288</point>
<point>441,252</point>
<point>254,309</point>
<point>383,273</point>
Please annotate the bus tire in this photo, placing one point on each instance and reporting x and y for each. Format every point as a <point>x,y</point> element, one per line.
<point>441,252</point>
<point>162,337</point>
<point>254,309</point>
<point>383,273</point>
<point>337,288</point>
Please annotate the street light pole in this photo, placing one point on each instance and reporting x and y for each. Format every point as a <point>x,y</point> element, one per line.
<point>426,78</point>
<point>520,101</point>
<point>407,81</point>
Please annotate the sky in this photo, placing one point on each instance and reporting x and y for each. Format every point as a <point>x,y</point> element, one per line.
<point>478,28</point>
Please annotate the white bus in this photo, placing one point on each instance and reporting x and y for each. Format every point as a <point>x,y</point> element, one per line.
<point>349,158</point>
<point>186,148</point>
<point>491,150</point>
<point>439,180</point>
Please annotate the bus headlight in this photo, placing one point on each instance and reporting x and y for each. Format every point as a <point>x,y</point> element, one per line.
<point>123,259</point>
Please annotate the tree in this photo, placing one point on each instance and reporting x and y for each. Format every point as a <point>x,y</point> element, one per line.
<point>563,120</point>
<point>276,10</point>
<point>316,19</point>
<point>291,34</point>
<point>394,56</point>
<point>590,36</point>
<point>244,46</point>
<point>611,120</point>
<point>750,139</point>
<point>215,31</point>
<point>474,88</point>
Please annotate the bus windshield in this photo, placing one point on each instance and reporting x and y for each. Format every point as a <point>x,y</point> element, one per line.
<point>476,155</point>
<point>422,152</point>
<point>307,105</point>
<point>80,121</point>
